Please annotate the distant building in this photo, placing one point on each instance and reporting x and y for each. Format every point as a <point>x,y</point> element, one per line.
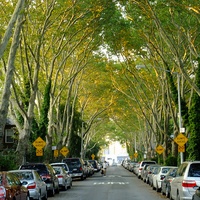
<point>115,153</point>
<point>7,135</point>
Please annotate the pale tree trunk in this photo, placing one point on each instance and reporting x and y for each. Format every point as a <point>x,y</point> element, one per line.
<point>4,106</point>
<point>10,67</point>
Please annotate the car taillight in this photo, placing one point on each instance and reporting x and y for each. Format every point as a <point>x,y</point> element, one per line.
<point>2,192</point>
<point>188,183</point>
<point>31,185</point>
<point>81,169</point>
<point>162,177</point>
<point>59,176</point>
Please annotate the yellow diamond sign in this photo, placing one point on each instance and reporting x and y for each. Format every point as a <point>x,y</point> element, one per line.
<point>180,139</point>
<point>159,149</point>
<point>39,143</point>
<point>64,151</point>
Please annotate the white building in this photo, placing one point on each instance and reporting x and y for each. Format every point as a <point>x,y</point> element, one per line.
<point>115,153</point>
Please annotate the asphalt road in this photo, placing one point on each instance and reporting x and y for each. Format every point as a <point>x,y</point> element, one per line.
<point>119,184</point>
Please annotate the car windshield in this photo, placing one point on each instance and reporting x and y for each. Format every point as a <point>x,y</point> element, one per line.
<point>24,175</point>
<point>73,163</point>
<point>194,170</point>
<point>41,169</point>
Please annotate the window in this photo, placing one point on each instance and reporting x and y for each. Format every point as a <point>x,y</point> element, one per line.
<point>9,133</point>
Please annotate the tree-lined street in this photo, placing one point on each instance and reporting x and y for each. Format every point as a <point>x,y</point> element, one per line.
<point>117,185</point>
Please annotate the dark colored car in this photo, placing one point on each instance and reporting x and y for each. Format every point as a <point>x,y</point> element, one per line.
<point>77,167</point>
<point>11,187</point>
<point>47,173</point>
<point>95,165</point>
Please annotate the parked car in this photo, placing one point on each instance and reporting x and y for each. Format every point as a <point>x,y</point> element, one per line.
<point>90,168</point>
<point>131,165</point>
<point>142,176</point>
<point>136,168</point>
<point>142,163</point>
<point>95,164</point>
<point>196,195</point>
<point>151,175</point>
<point>187,176</point>
<point>166,183</point>
<point>11,187</point>
<point>47,174</point>
<point>65,180</point>
<point>146,172</point>
<point>61,164</point>
<point>159,175</point>
<point>33,182</point>
<point>76,167</point>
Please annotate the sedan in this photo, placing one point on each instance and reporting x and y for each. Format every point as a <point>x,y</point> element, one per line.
<point>166,183</point>
<point>33,182</point>
<point>196,195</point>
<point>186,178</point>
<point>159,176</point>
<point>65,180</point>
<point>11,187</point>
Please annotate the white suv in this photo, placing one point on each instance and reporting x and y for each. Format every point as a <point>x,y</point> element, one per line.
<point>186,177</point>
<point>142,165</point>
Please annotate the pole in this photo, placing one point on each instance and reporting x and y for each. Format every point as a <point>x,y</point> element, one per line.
<point>82,137</point>
<point>179,110</point>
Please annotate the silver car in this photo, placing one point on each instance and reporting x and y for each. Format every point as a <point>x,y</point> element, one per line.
<point>186,177</point>
<point>33,182</point>
<point>65,180</point>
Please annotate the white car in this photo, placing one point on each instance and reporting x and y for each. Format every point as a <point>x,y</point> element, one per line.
<point>64,179</point>
<point>186,177</point>
<point>159,175</point>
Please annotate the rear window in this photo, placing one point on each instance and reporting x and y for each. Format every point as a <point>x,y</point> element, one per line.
<point>151,162</point>
<point>24,175</point>
<point>41,169</point>
<point>165,170</point>
<point>194,170</point>
<point>72,162</point>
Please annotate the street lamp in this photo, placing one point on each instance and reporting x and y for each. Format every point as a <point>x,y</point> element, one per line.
<point>179,98</point>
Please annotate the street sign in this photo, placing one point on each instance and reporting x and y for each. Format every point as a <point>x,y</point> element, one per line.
<point>93,156</point>
<point>135,155</point>
<point>39,152</point>
<point>181,139</point>
<point>159,149</point>
<point>64,151</point>
<point>39,143</point>
<point>55,153</point>
<point>181,148</point>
